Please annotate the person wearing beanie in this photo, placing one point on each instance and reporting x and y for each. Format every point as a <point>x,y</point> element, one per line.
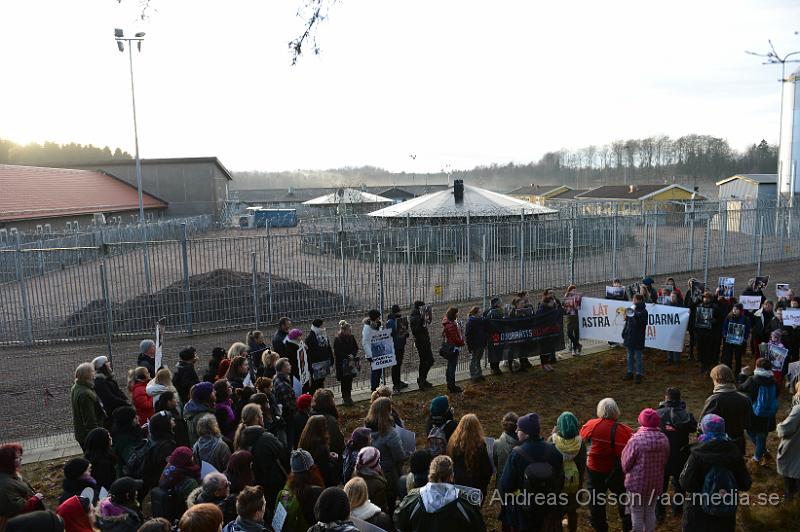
<point>735,331</point>
<point>418,322</point>
<point>185,373</point>
<point>102,457</point>
<point>120,511</point>
<point>399,327</point>
<point>678,424</point>
<point>713,449</point>
<point>106,386</point>
<point>77,514</point>
<point>147,356</point>
<point>303,487</point>
<point>531,450</point>
<point>441,425</point>
<point>182,473</point>
<point>332,511</point>
<point>77,477</point>
<point>567,439</point>
<point>644,460</point>
<point>203,401</point>
<point>368,467</point>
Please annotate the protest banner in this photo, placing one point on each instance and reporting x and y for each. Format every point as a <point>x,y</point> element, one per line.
<point>603,319</point>
<point>726,285</point>
<point>750,302</point>
<point>782,290</point>
<point>302,362</point>
<point>615,292</point>
<point>542,331</point>
<point>791,317</point>
<point>159,346</point>
<point>382,347</point>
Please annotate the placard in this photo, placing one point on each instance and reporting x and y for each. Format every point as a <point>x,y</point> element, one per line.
<point>735,333</point>
<point>248,380</point>
<point>791,317</point>
<point>408,440</point>
<point>726,285</point>
<point>761,282</point>
<point>159,347</point>
<point>703,318</point>
<point>750,302</point>
<point>279,518</point>
<point>320,370</point>
<point>615,292</point>
<point>382,348</point>
<point>302,361</point>
<point>697,289</point>
<point>207,469</point>
<point>777,356</point>
<point>793,372</point>
<point>297,387</point>
<point>782,290</point>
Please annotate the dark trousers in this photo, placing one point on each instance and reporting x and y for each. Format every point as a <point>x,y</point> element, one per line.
<point>495,355</point>
<point>732,357</point>
<point>707,350</point>
<point>691,344</point>
<point>450,371</point>
<point>347,387</point>
<point>676,488</point>
<point>425,359</point>
<point>791,487</point>
<point>397,368</point>
<point>598,487</point>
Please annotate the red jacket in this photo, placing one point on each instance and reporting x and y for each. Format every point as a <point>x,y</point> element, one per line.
<point>598,431</point>
<point>451,333</point>
<point>142,402</point>
<point>75,519</point>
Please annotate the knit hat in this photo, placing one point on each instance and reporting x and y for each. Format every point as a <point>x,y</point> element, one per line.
<point>712,423</point>
<point>369,458</point>
<point>649,418</point>
<point>301,461</point>
<point>190,353</point>
<point>567,425</point>
<point>202,391</point>
<point>647,281</point>
<point>332,505</point>
<point>529,424</point>
<point>99,362</point>
<point>360,437</point>
<point>181,457</point>
<point>294,334</point>
<point>304,401</point>
<point>121,487</point>
<point>439,406</point>
<point>75,468</point>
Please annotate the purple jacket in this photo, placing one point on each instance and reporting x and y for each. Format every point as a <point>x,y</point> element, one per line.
<point>643,461</point>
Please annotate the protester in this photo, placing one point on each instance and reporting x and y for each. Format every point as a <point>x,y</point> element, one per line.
<point>417,476</point>
<point>102,457</point>
<point>215,489</point>
<point>707,327</point>
<point>223,406</point>
<point>494,353</point>
<point>120,511</point>
<point>323,403</point>
<point>399,339</point>
<point>472,465</point>
<point>760,327</point>
<point>126,435</point>
<point>16,495</point>
<point>418,323</point>
<point>670,299</point>
<point>360,438</point>
<point>669,285</point>
<point>279,338</point>
<point>160,384</point>
<point>147,356</point>
<point>572,306</point>
<point>441,425</point>
<point>476,337</point>
<point>504,443</point>
<point>238,372</point>
<point>78,477</point>
<point>368,468</point>
<point>438,505</point>
<point>256,347</point>
<point>386,440</point>
<point>285,396</point>
<point>643,461</point>
<point>201,518</point>
<point>763,392</point>
<point>332,512</point>
<point>298,497</point>
<point>362,506</point>
<point>202,402</point>
<point>316,440</point>
<point>647,291</point>
<point>566,438</point>
<point>735,331</point>
<point>87,412</point>
<point>677,423</point>
<point>320,354</point>
<point>294,345</point>
<point>137,386</point>
<point>240,471</point>
<point>608,438</point>
<point>452,344</point>
<point>385,391</point>
<point>788,460</point>
<point>371,325</point>
<point>633,334</point>
<point>218,354</point>
<point>728,403</point>
<point>181,474</point>
<point>78,514</point>
<point>168,402</point>
<point>250,511</point>
<point>185,374</point>
<point>209,446</point>
<point>159,447</point>
<point>345,352</point>
<point>106,386</point>
<point>547,357</point>
<point>715,464</point>
<point>270,455</point>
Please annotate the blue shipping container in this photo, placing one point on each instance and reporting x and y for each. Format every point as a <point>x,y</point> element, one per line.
<point>276,217</point>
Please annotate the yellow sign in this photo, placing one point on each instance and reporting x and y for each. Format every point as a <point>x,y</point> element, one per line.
<point>437,289</point>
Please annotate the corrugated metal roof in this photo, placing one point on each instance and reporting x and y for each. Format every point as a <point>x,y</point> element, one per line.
<point>534,189</point>
<point>761,179</point>
<point>478,202</point>
<point>347,196</point>
<point>570,193</point>
<point>101,165</point>
<point>33,192</point>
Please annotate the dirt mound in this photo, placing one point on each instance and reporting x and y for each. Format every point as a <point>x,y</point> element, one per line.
<point>219,298</point>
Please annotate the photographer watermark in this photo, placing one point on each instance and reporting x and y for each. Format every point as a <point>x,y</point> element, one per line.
<point>587,497</point>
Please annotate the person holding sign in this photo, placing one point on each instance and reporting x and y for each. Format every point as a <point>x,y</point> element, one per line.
<point>633,336</point>
<point>707,323</point>
<point>372,324</point>
<point>735,330</point>
<point>320,355</point>
<point>452,342</point>
<point>763,392</point>
<point>761,319</point>
<point>399,326</point>
<point>345,352</point>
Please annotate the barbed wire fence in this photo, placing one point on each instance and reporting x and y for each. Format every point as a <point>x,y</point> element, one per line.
<point>210,286</point>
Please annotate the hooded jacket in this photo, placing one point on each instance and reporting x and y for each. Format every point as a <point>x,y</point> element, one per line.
<point>75,519</point>
<point>109,393</point>
<point>451,332</point>
<point>142,402</point>
<point>113,517</point>
<point>503,446</point>
<point>184,378</point>
<point>643,461</point>
<point>440,507</point>
<point>678,424</point>
<point>213,450</point>
<point>192,412</point>
<point>154,390</point>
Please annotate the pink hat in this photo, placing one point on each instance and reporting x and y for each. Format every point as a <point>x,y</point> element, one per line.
<point>649,418</point>
<point>294,334</point>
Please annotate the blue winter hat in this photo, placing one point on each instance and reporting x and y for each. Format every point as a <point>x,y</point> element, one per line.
<point>529,424</point>
<point>647,281</point>
<point>439,406</point>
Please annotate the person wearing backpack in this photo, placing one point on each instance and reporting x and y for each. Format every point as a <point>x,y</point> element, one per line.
<point>607,438</point>
<point>300,494</point>
<point>677,423</point>
<point>715,465</point>
<point>535,469</point>
<point>643,461</point>
<point>441,425</point>
<point>568,441</point>
<point>763,393</point>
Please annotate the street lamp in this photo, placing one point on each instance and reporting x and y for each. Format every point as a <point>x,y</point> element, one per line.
<point>119,36</point>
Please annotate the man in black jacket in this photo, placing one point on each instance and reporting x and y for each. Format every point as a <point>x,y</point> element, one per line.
<point>278,345</point>
<point>147,356</point>
<point>422,340</point>
<point>677,423</point>
<point>185,375</point>
<point>633,335</point>
<point>106,387</point>
<point>494,353</point>
<point>270,461</point>
<point>729,404</point>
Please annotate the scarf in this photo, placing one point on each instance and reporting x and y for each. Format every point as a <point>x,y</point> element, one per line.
<point>569,447</point>
<point>365,511</point>
<point>726,387</point>
<point>322,336</point>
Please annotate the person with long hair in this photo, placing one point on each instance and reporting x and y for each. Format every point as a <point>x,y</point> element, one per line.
<point>467,447</point>
<point>182,473</point>
<point>267,367</point>
<point>384,391</point>
<point>323,403</point>
<point>210,446</point>
<point>256,346</point>
<point>387,441</point>
<point>126,435</point>
<point>251,416</point>
<point>218,354</point>
<point>316,440</point>
<point>300,494</point>
<point>161,443</point>
<point>320,355</point>
<point>362,507</point>
<point>240,471</point>
<point>16,495</point>
<point>160,384</point>
<point>452,344</point>
<point>223,408</point>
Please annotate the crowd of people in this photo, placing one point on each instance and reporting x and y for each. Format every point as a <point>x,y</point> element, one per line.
<point>247,447</point>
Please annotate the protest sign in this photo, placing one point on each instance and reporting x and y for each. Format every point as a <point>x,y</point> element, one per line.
<point>302,362</point>
<point>248,381</point>
<point>750,302</point>
<point>103,494</point>
<point>279,518</point>
<point>401,327</point>
<point>703,318</point>
<point>777,356</point>
<point>735,333</point>
<point>782,290</point>
<point>602,319</point>
<point>761,282</point>
<point>87,493</point>
<point>615,292</point>
<point>364,526</point>
<point>697,288</point>
<point>408,439</point>
<point>159,346</point>
<point>382,347</point>
<point>633,289</point>
<point>296,387</point>
<point>206,468</point>
<point>320,370</point>
<point>791,317</point>
<point>542,331</point>
<point>726,285</point>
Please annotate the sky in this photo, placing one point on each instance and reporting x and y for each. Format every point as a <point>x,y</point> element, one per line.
<point>459,83</point>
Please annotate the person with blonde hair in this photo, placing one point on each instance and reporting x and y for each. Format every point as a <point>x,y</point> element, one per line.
<point>467,447</point>
<point>87,412</point>
<point>267,367</point>
<point>161,383</point>
<point>387,441</point>
<point>362,508</point>
<point>237,349</point>
<point>346,361</point>
<point>210,447</point>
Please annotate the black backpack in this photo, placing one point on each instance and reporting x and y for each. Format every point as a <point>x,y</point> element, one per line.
<point>540,478</point>
<point>137,460</point>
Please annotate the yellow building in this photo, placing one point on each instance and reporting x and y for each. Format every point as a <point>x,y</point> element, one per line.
<point>538,194</point>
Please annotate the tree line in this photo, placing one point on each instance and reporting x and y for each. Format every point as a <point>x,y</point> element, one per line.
<point>34,154</point>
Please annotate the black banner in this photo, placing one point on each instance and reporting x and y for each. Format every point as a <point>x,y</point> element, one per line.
<point>542,331</point>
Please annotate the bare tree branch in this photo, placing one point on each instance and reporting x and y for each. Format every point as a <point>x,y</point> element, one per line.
<point>314,12</point>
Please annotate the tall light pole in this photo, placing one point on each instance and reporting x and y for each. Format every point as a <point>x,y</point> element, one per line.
<point>119,36</point>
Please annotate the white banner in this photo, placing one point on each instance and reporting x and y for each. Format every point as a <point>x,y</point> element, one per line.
<point>791,317</point>
<point>750,302</point>
<point>159,347</point>
<point>302,360</point>
<point>382,347</point>
<point>603,319</point>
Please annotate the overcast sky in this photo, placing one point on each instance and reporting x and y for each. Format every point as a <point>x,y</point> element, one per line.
<point>454,82</point>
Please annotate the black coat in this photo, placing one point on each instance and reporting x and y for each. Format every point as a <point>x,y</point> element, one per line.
<point>254,352</point>
<point>750,388</point>
<point>109,393</point>
<point>344,347</point>
<point>633,334</point>
<point>678,424</point>
<point>147,362</point>
<point>735,408</point>
<point>416,322</point>
<point>185,377</point>
<point>278,344</point>
<point>270,461</point>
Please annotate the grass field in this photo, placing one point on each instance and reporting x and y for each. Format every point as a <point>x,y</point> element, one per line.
<point>576,385</point>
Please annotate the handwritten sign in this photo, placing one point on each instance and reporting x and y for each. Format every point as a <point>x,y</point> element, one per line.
<point>750,302</point>
<point>382,347</point>
<point>791,317</point>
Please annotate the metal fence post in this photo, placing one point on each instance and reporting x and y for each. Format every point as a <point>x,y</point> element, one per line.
<point>521,251</point>
<point>644,248</point>
<point>187,295</point>
<point>691,242</point>
<point>109,315</point>
<point>485,274</point>
<point>705,251</point>
<point>782,218</point>
<point>571,253</point>
<point>653,266</point>
<point>724,237</point>
<point>255,288</point>
<point>615,215</point>
<point>269,271</point>
<point>760,245</point>
<point>380,280</point>
<point>408,259</point>
<point>344,273</point>
<point>23,293</point>
<point>469,259</point>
